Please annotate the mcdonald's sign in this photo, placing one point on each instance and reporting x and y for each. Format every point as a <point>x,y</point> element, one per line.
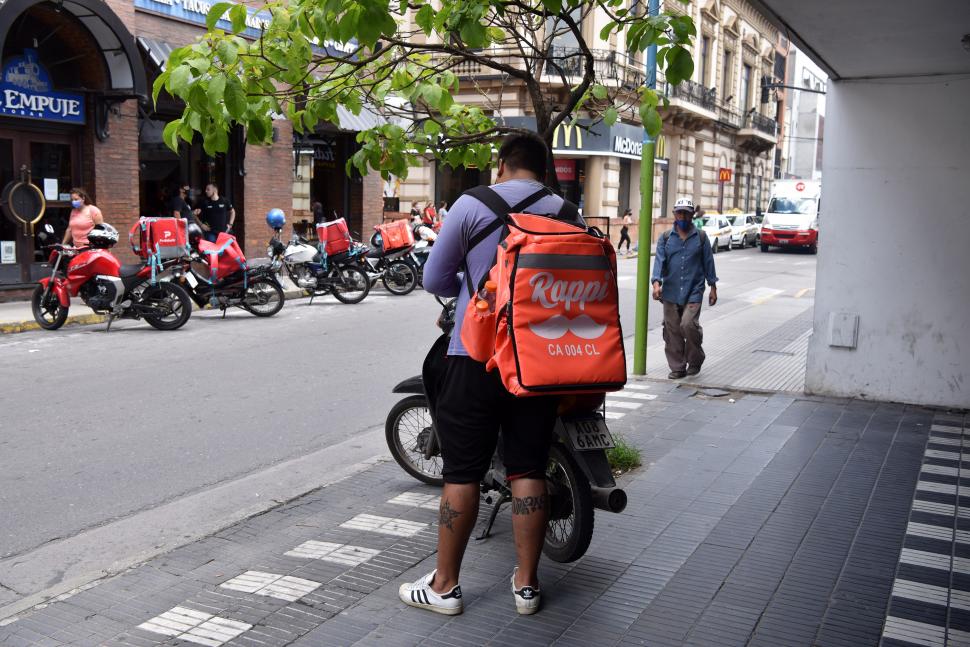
<point>567,131</point>
<point>724,175</point>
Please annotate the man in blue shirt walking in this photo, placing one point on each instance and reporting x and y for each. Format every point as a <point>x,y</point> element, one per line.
<point>683,262</point>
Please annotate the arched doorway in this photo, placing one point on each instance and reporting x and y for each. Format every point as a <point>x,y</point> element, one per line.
<point>64,66</point>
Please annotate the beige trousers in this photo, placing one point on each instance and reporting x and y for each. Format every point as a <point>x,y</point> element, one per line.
<point>683,335</point>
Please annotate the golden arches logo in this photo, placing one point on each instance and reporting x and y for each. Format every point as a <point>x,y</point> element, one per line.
<point>567,130</point>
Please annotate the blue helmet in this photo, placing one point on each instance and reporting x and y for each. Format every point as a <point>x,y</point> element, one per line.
<point>276,218</point>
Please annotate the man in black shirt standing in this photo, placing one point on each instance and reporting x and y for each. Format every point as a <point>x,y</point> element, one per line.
<point>178,205</point>
<point>216,213</point>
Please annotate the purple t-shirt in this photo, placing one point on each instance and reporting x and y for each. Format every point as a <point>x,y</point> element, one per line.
<point>466,218</point>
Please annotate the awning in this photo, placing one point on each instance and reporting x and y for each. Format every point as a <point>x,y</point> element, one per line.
<point>367,119</point>
<point>126,74</point>
<point>158,51</point>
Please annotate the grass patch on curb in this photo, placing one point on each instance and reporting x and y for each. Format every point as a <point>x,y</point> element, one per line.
<point>624,457</point>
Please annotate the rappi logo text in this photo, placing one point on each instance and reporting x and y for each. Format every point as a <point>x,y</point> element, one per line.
<point>555,294</point>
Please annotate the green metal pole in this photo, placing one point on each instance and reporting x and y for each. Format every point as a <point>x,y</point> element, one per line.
<point>645,234</point>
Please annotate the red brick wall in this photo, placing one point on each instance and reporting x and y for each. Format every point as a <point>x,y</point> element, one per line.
<point>269,184</point>
<point>373,203</point>
<point>115,173</point>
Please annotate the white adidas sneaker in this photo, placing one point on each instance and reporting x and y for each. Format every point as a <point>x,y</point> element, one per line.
<point>526,598</point>
<point>420,594</point>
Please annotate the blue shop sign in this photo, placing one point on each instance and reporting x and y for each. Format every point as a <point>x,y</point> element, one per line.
<point>25,91</point>
<point>196,11</point>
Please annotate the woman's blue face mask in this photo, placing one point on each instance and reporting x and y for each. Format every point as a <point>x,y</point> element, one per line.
<point>77,204</point>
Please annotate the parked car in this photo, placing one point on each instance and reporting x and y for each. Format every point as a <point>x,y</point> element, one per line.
<point>745,230</point>
<point>718,229</point>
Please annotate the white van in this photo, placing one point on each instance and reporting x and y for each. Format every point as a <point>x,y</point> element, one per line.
<point>792,216</point>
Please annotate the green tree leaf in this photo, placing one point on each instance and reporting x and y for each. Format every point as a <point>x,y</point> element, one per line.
<point>179,80</point>
<point>258,131</point>
<point>680,65</point>
<point>216,13</point>
<point>170,134</point>
<point>238,15</point>
<point>235,98</point>
<point>216,90</point>
<point>425,19</point>
<point>610,116</point>
<point>607,30</point>
<point>599,92</point>
<point>228,52</point>
<point>651,120</point>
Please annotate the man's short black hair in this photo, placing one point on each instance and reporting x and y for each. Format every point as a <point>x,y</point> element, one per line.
<point>525,151</point>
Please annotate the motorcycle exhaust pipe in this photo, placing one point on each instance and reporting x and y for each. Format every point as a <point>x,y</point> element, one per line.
<point>609,499</point>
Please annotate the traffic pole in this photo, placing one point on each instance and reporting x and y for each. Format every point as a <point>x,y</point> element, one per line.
<point>645,233</point>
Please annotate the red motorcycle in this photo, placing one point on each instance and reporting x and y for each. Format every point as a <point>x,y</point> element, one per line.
<point>106,286</point>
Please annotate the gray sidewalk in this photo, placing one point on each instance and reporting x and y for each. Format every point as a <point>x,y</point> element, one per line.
<point>769,520</point>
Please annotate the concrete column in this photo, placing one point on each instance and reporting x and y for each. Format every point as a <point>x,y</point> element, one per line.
<point>698,188</point>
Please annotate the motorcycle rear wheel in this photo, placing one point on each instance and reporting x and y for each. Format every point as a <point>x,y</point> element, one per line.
<point>353,286</point>
<point>408,426</point>
<point>50,315</point>
<point>570,526</point>
<point>263,297</point>
<point>170,296</point>
<point>400,278</point>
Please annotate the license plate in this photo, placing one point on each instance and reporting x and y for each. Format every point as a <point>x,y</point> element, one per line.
<point>191,280</point>
<point>588,434</point>
<point>782,241</point>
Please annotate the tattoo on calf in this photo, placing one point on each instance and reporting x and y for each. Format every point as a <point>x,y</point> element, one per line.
<point>447,515</point>
<point>529,504</point>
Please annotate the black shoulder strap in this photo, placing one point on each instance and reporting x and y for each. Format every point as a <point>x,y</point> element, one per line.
<point>497,205</point>
<point>568,212</point>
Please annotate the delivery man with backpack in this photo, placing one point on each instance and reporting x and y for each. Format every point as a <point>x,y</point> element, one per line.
<point>471,403</point>
<point>684,260</point>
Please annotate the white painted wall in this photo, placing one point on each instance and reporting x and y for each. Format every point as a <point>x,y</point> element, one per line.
<point>895,241</point>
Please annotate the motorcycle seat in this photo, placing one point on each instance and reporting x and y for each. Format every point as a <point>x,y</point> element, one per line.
<point>375,252</point>
<point>128,271</point>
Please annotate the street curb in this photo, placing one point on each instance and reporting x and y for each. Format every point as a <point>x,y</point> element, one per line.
<point>29,325</point>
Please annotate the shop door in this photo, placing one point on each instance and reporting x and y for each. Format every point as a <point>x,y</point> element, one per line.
<point>52,159</point>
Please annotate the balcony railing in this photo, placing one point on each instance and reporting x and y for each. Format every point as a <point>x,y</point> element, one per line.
<point>609,65</point>
<point>728,117</point>
<point>694,93</point>
<point>762,124</point>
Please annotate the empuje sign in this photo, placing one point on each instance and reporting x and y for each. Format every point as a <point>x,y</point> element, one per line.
<point>25,91</point>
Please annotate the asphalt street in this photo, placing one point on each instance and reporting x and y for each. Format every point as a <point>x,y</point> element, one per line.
<point>99,427</point>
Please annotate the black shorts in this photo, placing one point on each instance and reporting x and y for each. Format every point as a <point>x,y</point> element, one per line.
<point>471,405</point>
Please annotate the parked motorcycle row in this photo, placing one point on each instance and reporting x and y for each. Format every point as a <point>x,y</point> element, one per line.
<point>180,267</point>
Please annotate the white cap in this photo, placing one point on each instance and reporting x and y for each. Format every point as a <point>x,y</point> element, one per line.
<point>684,204</point>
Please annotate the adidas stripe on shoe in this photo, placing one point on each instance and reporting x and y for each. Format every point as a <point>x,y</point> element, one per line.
<point>526,598</point>
<point>420,594</point>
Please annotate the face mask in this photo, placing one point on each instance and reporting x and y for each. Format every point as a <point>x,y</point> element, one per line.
<point>77,204</point>
<point>682,225</point>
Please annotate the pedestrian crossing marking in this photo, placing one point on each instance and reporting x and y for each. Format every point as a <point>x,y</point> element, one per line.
<point>417,500</point>
<point>282,587</point>
<point>917,633</point>
<point>759,296</point>
<point>384,525</point>
<point>331,552</point>
<point>623,405</point>
<point>634,396</point>
<point>614,415</point>
<point>195,626</point>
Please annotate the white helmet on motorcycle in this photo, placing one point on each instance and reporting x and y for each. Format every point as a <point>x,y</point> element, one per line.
<point>103,236</point>
<point>684,204</point>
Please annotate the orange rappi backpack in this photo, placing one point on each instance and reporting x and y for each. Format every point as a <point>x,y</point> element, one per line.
<point>555,327</point>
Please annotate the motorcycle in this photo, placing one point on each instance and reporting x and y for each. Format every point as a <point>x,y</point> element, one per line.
<point>310,269</point>
<point>393,268</point>
<point>254,289</point>
<point>107,287</point>
<point>578,476</point>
